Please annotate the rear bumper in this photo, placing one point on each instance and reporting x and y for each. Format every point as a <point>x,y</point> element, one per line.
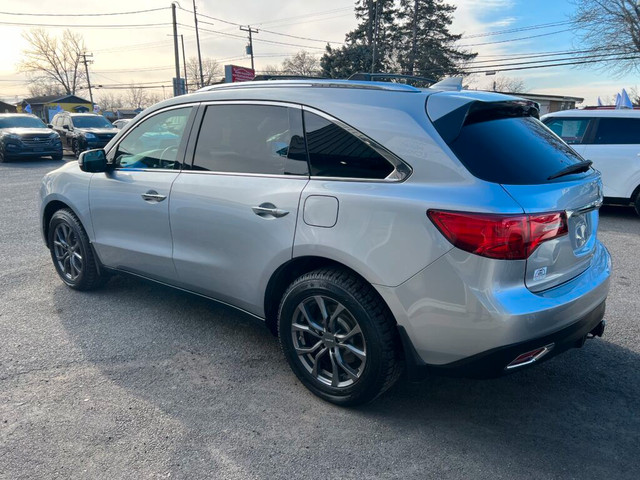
<point>463,306</point>
<point>494,362</point>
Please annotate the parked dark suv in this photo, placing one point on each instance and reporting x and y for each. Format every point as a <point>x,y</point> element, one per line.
<point>83,131</point>
<point>24,135</point>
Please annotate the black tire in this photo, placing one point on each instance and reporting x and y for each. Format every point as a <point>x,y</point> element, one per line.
<point>83,274</point>
<point>636,203</point>
<point>377,335</point>
<point>56,158</point>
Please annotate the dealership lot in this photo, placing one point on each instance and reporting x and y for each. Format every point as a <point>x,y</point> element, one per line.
<point>140,381</point>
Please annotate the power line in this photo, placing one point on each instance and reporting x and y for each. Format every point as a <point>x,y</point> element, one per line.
<point>636,57</point>
<point>519,29</point>
<point>517,39</point>
<point>140,25</point>
<point>607,56</point>
<point>82,14</point>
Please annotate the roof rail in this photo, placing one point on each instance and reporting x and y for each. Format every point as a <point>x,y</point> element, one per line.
<point>318,83</point>
<point>267,76</point>
<point>371,77</point>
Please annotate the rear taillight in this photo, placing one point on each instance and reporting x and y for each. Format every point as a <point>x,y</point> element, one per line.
<point>506,237</point>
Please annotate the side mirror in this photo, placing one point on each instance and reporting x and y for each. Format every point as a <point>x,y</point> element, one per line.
<point>66,127</point>
<point>93,161</point>
<point>49,125</point>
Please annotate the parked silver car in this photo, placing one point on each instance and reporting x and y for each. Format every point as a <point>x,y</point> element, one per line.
<point>373,226</point>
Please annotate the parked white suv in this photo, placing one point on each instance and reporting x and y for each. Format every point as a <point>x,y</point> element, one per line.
<point>611,140</point>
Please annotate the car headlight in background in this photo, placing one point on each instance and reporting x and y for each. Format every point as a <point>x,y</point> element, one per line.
<point>89,136</point>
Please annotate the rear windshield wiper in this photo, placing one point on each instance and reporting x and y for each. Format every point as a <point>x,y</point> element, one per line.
<point>579,167</point>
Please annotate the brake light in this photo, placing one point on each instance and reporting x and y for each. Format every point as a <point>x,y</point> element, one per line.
<point>505,237</point>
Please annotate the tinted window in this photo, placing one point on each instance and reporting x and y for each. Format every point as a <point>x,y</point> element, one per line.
<point>571,130</point>
<point>334,152</point>
<point>91,121</point>
<point>618,131</point>
<point>262,139</point>
<point>513,151</point>
<point>155,142</point>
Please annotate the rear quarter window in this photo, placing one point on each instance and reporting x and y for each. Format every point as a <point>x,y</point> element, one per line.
<point>571,130</point>
<point>617,131</point>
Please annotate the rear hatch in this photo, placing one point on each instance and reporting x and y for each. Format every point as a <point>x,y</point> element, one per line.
<point>499,139</point>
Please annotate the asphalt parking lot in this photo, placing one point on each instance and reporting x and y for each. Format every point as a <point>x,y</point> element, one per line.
<point>139,381</point>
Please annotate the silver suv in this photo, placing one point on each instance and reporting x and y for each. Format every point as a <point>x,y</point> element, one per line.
<point>375,227</point>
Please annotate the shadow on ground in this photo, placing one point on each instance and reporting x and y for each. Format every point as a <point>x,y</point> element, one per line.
<point>221,376</point>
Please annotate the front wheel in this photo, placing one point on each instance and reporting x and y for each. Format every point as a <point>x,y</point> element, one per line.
<point>636,204</point>
<point>75,146</point>
<point>339,337</point>
<point>71,252</point>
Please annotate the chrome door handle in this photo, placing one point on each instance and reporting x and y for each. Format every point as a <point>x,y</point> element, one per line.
<point>267,210</point>
<point>153,196</point>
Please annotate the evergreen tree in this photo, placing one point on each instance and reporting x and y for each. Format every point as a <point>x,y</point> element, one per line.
<point>424,43</point>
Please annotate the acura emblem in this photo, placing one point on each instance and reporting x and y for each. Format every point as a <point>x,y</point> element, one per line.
<point>581,234</point>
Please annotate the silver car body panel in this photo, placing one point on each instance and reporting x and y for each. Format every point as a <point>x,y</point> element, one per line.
<point>451,303</point>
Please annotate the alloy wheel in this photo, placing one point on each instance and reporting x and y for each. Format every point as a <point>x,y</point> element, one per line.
<point>328,341</point>
<point>66,248</point>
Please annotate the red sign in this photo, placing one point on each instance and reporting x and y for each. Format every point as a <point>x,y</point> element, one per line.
<point>234,73</point>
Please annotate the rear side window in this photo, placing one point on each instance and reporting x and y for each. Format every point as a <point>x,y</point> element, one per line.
<point>258,139</point>
<point>617,131</point>
<point>514,150</point>
<point>571,130</point>
<point>335,152</point>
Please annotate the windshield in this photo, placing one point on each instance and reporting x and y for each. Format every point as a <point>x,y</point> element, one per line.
<point>91,121</point>
<point>21,122</point>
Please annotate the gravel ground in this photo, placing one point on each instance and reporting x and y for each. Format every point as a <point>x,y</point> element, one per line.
<point>139,381</point>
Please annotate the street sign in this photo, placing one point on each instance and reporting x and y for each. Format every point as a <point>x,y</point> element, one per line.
<point>179,88</point>
<point>234,73</point>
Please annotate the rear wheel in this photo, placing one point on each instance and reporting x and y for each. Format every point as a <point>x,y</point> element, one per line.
<point>71,252</point>
<point>339,337</point>
<point>636,203</point>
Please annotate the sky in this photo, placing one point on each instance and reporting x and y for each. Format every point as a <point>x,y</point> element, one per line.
<point>131,51</point>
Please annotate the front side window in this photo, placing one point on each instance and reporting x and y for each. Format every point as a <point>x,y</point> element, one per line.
<point>335,152</point>
<point>571,130</point>
<point>256,139</point>
<point>154,143</point>
<point>618,131</point>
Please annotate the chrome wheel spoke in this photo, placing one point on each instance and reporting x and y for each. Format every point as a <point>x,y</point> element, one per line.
<point>323,310</point>
<point>356,351</point>
<point>350,334</point>
<point>335,374</point>
<point>306,329</point>
<point>336,313</point>
<point>353,375</point>
<point>314,325</point>
<point>307,350</point>
<point>316,361</point>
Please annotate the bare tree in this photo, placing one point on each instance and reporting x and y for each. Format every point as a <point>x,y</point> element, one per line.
<point>136,96</point>
<point>507,84</point>
<point>634,95</point>
<point>110,101</point>
<point>39,86</point>
<point>52,61</point>
<point>272,70</point>
<point>302,63</point>
<point>611,30</point>
<point>210,70</point>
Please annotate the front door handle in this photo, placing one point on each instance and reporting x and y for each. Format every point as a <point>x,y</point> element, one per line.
<point>153,196</point>
<point>269,210</point>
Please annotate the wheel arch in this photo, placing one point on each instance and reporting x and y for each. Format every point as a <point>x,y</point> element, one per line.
<point>287,273</point>
<point>50,208</point>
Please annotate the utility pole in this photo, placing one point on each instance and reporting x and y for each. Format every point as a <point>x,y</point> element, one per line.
<point>184,63</point>
<point>176,85</point>
<point>86,69</point>
<point>250,30</point>
<point>195,22</point>
<point>375,36</point>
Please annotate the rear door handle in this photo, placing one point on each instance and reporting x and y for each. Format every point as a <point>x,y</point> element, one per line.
<point>268,210</point>
<point>153,196</point>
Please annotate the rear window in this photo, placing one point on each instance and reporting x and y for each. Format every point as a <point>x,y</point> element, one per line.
<point>617,131</point>
<point>500,146</point>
